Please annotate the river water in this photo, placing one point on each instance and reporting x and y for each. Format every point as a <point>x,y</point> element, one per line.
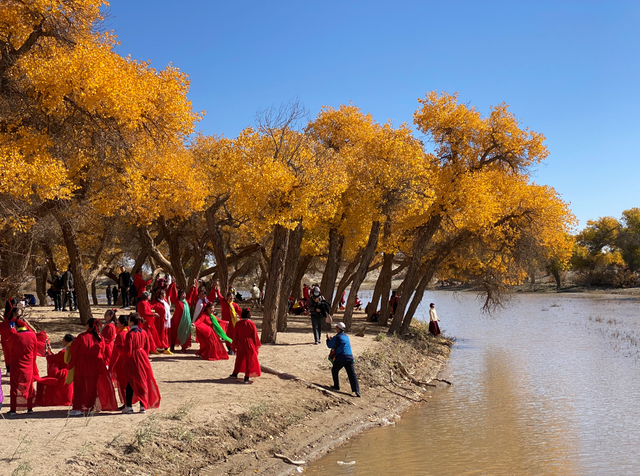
<point>548,385</point>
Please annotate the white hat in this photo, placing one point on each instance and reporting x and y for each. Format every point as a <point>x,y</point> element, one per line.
<point>340,325</point>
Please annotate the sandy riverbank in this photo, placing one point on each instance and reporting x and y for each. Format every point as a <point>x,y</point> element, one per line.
<point>209,424</point>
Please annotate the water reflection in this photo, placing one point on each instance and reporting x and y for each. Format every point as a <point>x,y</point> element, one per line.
<point>547,386</point>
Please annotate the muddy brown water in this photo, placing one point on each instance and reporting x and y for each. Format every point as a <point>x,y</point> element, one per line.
<point>549,385</point>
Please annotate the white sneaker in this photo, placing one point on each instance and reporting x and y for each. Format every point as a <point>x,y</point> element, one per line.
<point>127,410</point>
<point>75,413</point>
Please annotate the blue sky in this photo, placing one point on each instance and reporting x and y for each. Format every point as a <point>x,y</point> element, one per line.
<point>568,69</point>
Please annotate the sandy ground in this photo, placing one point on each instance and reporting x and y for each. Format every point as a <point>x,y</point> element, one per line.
<point>197,395</point>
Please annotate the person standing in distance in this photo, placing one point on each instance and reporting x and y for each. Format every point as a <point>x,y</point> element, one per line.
<point>319,309</point>
<point>434,328</point>
<point>124,283</point>
<point>343,358</point>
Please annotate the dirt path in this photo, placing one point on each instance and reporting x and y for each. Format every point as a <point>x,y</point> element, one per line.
<point>205,419</point>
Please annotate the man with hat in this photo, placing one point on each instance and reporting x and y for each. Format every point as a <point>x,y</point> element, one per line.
<point>342,357</point>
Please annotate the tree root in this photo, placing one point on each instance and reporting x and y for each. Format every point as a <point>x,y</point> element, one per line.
<point>286,459</point>
<point>286,376</point>
<point>414,381</point>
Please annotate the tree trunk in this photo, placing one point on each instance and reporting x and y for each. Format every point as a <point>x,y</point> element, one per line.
<point>141,259</point>
<point>361,273</point>
<point>301,270</point>
<point>217,244</point>
<point>557,274</point>
<point>75,260</point>
<point>345,281</point>
<point>274,283</point>
<point>410,280</point>
<point>385,289</point>
<point>175,256</point>
<point>330,275</point>
<point>291,263</point>
<point>417,298</point>
<point>94,293</point>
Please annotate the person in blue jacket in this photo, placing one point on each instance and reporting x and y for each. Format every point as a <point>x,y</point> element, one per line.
<point>343,358</point>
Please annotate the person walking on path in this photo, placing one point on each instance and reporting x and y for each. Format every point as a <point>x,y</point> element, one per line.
<point>342,358</point>
<point>124,283</point>
<point>319,309</point>
<point>109,294</point>
<point>434,328</point>
<point>115,294</point>
<point>246,343</point>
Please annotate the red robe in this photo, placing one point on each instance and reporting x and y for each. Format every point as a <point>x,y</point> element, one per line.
<point>211,347</point>
<point>191,299</point>
<point>247,344</point>
<point>116,364</point>
<point>140,284</point>
<point>138,371</point>
<point>227,316</point>
<point>92,386</point>
<point>149,324</point>
<point>24,370</point>
<point>5,340</point>
<point>163,337</point>
<point>305,293</point>
<point>172,294</point>
<point>59,394</point>
<point>109,335</point>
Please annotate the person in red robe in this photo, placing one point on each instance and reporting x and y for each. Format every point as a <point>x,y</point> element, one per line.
<point>12,313</point>
<point>92,387</point>
<point>140,283</point>
<point>305,295</point>
<point>180,330</point>
<point>141,384</point>
<point>24,371</point>
<point>172,292</point>
<point>161,307</point>
<point>342,300</point>
<point>393,303</point>
<point>230,312</point>
<point>118,358</point>
<point>60,393</point>
<point>246,344</point>
<point>209,331</point>
<point>149,317</point>
<point>109,333</point>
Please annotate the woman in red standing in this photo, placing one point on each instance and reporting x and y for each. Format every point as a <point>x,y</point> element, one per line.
<point>92,386</point>
<point>58,393</point>
<point>161,307</point>
<point>11,314</point>
<point>24,370</point>
<point>246,343</point>
<point>109,333</point>
<point>180,330</point>
<point>149,317</point>
<point>118,358</point>
<point>141,384</point>
<point>209,332</point>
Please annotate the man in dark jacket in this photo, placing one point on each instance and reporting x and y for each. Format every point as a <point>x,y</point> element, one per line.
<point>56,290</point>
<point>124,283</point>
<point>67,290</point>
<point>319,309</point>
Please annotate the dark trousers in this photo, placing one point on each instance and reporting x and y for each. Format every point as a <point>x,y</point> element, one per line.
<point>108,300</point>
<point>57,300</point>
<point>316,324</point>
<point>128,393</point>
<point>125,297</point>
<point>68,297</point>
<point>351,372</point>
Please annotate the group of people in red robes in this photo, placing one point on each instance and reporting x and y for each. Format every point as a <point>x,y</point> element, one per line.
<point>110,360</point>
